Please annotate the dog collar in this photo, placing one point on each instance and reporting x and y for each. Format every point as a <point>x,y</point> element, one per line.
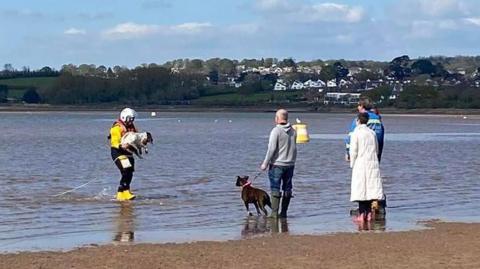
<point>247,184</point>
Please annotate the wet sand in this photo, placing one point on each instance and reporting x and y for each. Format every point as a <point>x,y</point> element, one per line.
<point>446,245</point>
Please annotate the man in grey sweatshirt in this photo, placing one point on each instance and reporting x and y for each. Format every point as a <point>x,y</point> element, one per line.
<point>280,161</point>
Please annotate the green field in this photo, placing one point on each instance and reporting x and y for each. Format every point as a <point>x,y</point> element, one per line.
<point>39,83</point>
<point>253,99</point>
<point>18,86</point>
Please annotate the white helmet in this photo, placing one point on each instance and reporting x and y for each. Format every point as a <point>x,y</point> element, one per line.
<point>128,114</point>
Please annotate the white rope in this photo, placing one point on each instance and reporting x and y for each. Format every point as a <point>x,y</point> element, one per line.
<point>76,188</point>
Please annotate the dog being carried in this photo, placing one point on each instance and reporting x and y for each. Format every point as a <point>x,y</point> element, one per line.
<point>136,142</point>
<point>255,196</point>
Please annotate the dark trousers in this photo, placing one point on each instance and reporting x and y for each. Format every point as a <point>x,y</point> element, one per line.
<point>127,173</point>
<point>364,207</point>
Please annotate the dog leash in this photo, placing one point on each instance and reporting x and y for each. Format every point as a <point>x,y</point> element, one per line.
<point>256,176</point>
<point>76,188</point>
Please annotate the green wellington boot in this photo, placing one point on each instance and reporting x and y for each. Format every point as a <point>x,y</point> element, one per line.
<point>275,204</point>
<point>285,202</point>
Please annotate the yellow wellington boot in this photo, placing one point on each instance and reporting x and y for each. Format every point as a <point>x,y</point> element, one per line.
<point>121,196</point>
<point>127,195</point>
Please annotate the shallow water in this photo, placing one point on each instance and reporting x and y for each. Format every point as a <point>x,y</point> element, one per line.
<point>185,186</point>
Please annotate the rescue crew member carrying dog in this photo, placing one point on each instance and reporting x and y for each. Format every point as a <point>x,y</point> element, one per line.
<point>122,158</point>
<point>374,123</point>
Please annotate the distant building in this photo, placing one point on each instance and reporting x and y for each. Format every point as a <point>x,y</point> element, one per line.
<point>314,84</point>
<point>331,83</point>
<point>297,85</point>
<point>280,86</point>
<point>340,98</point>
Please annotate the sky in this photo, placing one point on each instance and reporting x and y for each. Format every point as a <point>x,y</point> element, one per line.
<point>38,33</point>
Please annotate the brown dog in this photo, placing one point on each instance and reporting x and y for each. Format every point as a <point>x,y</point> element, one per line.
<point>251,195</point>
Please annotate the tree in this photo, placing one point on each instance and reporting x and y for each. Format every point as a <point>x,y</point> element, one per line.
<point>213,76</point>
<point>399,67</point>
<point>423,66</point>
<point>328,72</point>
<point>31,96</point>
<point>8,68</point>
<point>226,66</point>
<point>3,93</point>
<point>340,71</point>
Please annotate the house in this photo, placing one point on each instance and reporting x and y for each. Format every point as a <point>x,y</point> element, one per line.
<point>331,83</point>
<point>277,70</point>
<point>297,85</point>
<point>231,81</point>
<point>340,98</point>
<point>397,89</point>
<point>314,84</point>
<point>280,86</point>
<point>343,83</point>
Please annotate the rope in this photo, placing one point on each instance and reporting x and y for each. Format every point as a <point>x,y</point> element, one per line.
<point>76,188</point>
<point>257,175</point>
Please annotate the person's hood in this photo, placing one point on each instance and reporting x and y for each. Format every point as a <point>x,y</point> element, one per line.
<point>286,127</point>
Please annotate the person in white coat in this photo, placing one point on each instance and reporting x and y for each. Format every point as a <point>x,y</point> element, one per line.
<point>366,181</point>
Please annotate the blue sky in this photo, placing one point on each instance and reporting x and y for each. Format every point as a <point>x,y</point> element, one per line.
<point>125,32</point>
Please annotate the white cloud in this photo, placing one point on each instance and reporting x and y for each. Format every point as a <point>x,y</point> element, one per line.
<point>270,5</point>
<point>75,31</point>
<point>335,13</point>
<point>191,27</point>
<point>306,12</point>
<point>131,30</point>
<point>473,21</point>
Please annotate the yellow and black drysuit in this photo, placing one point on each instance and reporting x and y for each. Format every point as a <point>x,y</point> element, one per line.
<point>122,159</point>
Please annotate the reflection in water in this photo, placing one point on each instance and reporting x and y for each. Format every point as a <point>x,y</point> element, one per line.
<point>125,223</point>
<point>259,225</point>
<point>374,225</point>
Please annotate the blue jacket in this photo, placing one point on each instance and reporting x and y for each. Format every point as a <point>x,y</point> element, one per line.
<point>374,123</point>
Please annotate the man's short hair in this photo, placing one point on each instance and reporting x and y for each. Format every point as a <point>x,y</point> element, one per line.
<point>366,103</point>
<point>282,114</point>
<point>363,118</point>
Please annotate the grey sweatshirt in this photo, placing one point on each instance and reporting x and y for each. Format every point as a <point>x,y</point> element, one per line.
<point>282,146</point>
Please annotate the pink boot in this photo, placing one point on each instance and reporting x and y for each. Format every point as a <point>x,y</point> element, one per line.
<point>359,218</point>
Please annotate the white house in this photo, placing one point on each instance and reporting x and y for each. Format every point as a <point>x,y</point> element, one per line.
<point>343,83</point>
<point>341,98</point>
<point>280,86</point>
<point>277,70</point>
<point>297,85</point>
<point>314,84</point>
<point>331,83</point>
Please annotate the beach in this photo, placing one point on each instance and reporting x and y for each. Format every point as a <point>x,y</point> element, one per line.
<point>441,245</point>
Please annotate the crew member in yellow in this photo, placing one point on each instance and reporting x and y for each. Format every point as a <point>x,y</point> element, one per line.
<point>122,158</point>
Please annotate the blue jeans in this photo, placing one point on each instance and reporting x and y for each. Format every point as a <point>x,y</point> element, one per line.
<point>281,175</point>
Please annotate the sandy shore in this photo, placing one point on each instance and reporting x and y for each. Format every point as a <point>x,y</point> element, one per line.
<point>447,245</point>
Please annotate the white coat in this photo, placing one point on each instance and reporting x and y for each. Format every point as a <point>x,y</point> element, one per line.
<point>366,180</point>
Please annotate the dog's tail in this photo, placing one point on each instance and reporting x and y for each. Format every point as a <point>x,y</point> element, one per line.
<point>267,200</point>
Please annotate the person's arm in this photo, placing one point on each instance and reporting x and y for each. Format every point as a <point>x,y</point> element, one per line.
<point>353,149</point>
<point>272,147</point>
<point>347,139</point>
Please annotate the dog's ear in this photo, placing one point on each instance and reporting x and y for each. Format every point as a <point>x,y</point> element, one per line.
<point>149,137</point>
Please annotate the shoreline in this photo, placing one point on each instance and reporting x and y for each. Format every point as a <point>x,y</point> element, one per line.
<point>239,109</point>
<point>443,245</point>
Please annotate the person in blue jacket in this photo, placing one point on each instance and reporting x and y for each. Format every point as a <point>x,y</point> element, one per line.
<point>374,123</point>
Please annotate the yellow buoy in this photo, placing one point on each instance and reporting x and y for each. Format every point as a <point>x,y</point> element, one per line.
<point>302,133</point>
